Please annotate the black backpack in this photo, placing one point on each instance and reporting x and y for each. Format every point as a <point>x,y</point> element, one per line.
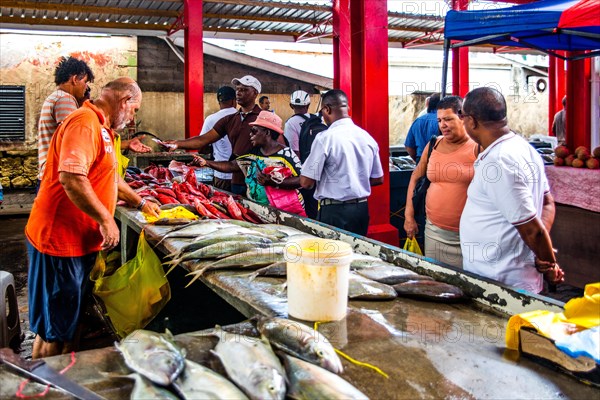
<point>312,126</point>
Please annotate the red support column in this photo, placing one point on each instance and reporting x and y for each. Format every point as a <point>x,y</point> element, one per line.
<point>579,111</point>
<point>463,86</point>
<point>552,78</point>
<point>561,82</point>
<point>342,71</point>
<point>194,68</point>
<point>455,72</point>
<point>370,98</point>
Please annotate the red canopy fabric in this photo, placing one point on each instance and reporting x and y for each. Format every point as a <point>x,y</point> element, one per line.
<point>584,13</point>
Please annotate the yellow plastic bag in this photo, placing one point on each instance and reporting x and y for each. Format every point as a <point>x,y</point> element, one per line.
<point>174,213</point>
<point>413,246</point>
<point>135,293</point>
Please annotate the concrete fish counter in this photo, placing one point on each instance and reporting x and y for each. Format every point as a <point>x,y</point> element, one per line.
<point>429,350</point>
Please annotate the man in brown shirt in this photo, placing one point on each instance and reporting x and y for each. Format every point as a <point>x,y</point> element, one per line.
<point>235,126</point>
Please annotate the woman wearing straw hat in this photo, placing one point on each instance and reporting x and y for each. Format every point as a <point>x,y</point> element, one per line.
<point>272,170</point>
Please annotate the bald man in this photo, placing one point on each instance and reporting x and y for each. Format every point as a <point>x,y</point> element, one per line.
<point>72,218</point>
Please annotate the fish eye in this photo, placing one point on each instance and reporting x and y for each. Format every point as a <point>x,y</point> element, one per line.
<point>320,353</point>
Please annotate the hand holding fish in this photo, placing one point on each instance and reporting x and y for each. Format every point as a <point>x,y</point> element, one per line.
<point>170,145</point>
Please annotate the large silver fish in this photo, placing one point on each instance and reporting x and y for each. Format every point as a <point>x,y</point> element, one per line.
<point>360,288</point>
<point>143,389</point>
<point>219,250</point>
<point>251,364</point>
<point>152,355</point>
<point>366,261</point>
<point>390,275</point>
<point>300,341</point>
<point>308,381</point>
<point>430,290</point>
<point>199,382</point>
<point>196,228</point>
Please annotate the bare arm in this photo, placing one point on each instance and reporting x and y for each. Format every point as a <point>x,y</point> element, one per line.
<point>291,182</point>
<point>307,183</point>
<point>376,181</point>
<point>412,152</point>
<point>221,166</point>
<point>548,211</point>
<point>536,237</point>
<point>196,142</point>
<point>79,190</point>
<point>133,199</point>
<point>410,223</point>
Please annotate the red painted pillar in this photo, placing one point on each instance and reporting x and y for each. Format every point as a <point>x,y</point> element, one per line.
<point>370,98</point>
<point>194,68</point>
<point>552,78</point>
<point>460,59</point>
<point>342,70</point>
<point>561,82</point>
<point>579,74</point>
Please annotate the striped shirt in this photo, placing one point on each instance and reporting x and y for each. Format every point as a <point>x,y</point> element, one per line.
<point>56,108</point>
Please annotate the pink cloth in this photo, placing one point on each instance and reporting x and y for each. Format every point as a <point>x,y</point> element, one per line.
<point>577,187</point>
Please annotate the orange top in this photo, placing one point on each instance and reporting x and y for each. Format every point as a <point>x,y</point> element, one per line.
<point>450,175</point>
<point>82,145</point>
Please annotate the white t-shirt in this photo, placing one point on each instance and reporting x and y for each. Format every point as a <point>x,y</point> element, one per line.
<point>507,190</point>
<point>222,147</point>
<point>342,160</point>
<point>292,128</point>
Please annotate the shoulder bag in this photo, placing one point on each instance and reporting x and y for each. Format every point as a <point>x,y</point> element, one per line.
<point>422,184</point>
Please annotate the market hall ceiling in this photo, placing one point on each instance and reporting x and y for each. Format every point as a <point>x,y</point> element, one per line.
<point>238,19</point>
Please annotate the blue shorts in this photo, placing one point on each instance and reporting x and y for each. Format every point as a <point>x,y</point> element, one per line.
<point>58,288</point>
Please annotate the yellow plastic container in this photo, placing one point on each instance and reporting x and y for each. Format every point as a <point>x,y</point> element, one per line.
<point>317,279</point>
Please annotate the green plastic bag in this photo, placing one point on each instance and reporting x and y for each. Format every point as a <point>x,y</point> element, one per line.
<point>135,293</point>
<point>413,246</point>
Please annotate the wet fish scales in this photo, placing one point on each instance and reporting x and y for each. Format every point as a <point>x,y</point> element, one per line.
<point>152,355</point>
<point>430,290</point>
<point>251,364</point>
<point>143,389</point>
<point>390,275</point>
<point>199,382</point>
<point>308,381</point>
<point>300,341</point>
<point>361,288</point>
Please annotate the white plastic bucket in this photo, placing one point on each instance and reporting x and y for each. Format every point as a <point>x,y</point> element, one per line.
<point>317,279</point>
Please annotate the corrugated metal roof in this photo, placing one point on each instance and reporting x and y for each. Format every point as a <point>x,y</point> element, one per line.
<point>242,19</point>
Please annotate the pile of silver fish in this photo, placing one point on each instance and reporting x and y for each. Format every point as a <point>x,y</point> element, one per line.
<point>253,365</point>
<point>234,244</point>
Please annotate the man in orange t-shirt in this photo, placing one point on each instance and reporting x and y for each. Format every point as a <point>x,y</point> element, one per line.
<point>72,216</point>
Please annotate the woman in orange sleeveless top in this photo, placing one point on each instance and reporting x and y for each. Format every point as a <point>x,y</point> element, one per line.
<point>450,171</point>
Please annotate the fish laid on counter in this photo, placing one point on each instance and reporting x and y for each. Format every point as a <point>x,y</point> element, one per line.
<point>220,250</point>
<point>308,381</point>
<point>199,382</point>
<point>224,235</point>
<point>300,341</point>
<point>152,355</point>
<point>366,261</point>
<point>278,269</point>
<point>390,275</point>
<point>256,258</point>
<point>143,389</point>
<point>361,288</point>
<point>430,290</point>
<point>251,364</point>
<point>196,228</point>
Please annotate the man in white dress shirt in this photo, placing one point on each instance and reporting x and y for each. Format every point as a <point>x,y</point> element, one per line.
<point>343,164</point>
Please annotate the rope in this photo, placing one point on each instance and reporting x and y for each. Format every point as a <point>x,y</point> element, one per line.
<point>23,384</point>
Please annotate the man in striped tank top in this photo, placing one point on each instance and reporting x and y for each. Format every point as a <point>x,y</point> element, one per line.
<point>71,77</point>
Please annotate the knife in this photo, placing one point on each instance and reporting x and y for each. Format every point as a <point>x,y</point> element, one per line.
<point>41,372</point>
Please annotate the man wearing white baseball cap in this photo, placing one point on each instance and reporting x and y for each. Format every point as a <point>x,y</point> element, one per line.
<point>235,126</point>
<point>299,102</point>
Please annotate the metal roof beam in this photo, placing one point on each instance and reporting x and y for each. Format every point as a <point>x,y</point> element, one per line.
<point>77,8</point>
<point>263,18</point>
<point>81,23</point>
<point>272,4</point>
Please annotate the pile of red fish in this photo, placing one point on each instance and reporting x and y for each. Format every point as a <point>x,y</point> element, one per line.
<point>157,184</point>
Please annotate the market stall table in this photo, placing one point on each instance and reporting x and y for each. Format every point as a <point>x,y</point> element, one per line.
<point>579,187</point>
<point>430,350</point>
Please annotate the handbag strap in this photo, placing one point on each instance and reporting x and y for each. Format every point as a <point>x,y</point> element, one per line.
<point>432,144</point>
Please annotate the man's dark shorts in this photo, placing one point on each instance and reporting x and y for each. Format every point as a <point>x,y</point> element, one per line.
<point>58,289</point>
